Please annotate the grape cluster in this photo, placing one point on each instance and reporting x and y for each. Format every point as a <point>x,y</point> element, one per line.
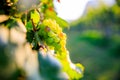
<point>51,33</point>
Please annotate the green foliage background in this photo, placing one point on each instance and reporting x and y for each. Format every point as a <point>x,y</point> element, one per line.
<point>97,37</point>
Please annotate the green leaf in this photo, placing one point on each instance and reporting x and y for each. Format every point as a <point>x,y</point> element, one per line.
<point>30,36</point>
<point>29,26</point>
<point>35,16</point>
<point>52,14</point>
<point>61,22</point>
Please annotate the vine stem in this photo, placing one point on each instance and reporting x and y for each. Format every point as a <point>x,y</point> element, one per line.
<point>34,28</point>
<point>41,15</point>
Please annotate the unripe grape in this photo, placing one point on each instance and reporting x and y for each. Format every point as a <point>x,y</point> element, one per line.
<point>56,39</point>
<point>57,46</point>
<point>49,41</point>
<point>79,68</point>
<point>42,33</point>
<point>51,34</point>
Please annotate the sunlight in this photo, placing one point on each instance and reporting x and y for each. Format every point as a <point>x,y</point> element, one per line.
<point>70,9</point>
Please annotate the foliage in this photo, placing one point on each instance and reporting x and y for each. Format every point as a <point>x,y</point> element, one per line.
<point>32,27</point>
<point>97,36</point>
<point>102,17</point>
<point>105,20</point>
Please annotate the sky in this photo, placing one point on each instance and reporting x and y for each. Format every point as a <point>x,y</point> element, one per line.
<point>71,10</point>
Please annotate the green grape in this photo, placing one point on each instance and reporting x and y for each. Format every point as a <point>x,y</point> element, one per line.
<point>52,25</point>
<point>41,26</point>
<point>80,67</point>
<point>57,46</point>
<point>63,42</point>
<point>56,39</point>
<point>49,41</point>
<point>42,33</point>
<point>51,34</point>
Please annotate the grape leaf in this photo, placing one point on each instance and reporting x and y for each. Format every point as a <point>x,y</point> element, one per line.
<point>35,16</point>
<point>29,26</point>
<point>30,36</point>
<point>61,22</point>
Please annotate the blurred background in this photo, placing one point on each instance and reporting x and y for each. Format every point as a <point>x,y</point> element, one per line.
<point>94,37</point>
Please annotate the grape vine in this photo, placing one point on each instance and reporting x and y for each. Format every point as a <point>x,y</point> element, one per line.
<point>44,33</point>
